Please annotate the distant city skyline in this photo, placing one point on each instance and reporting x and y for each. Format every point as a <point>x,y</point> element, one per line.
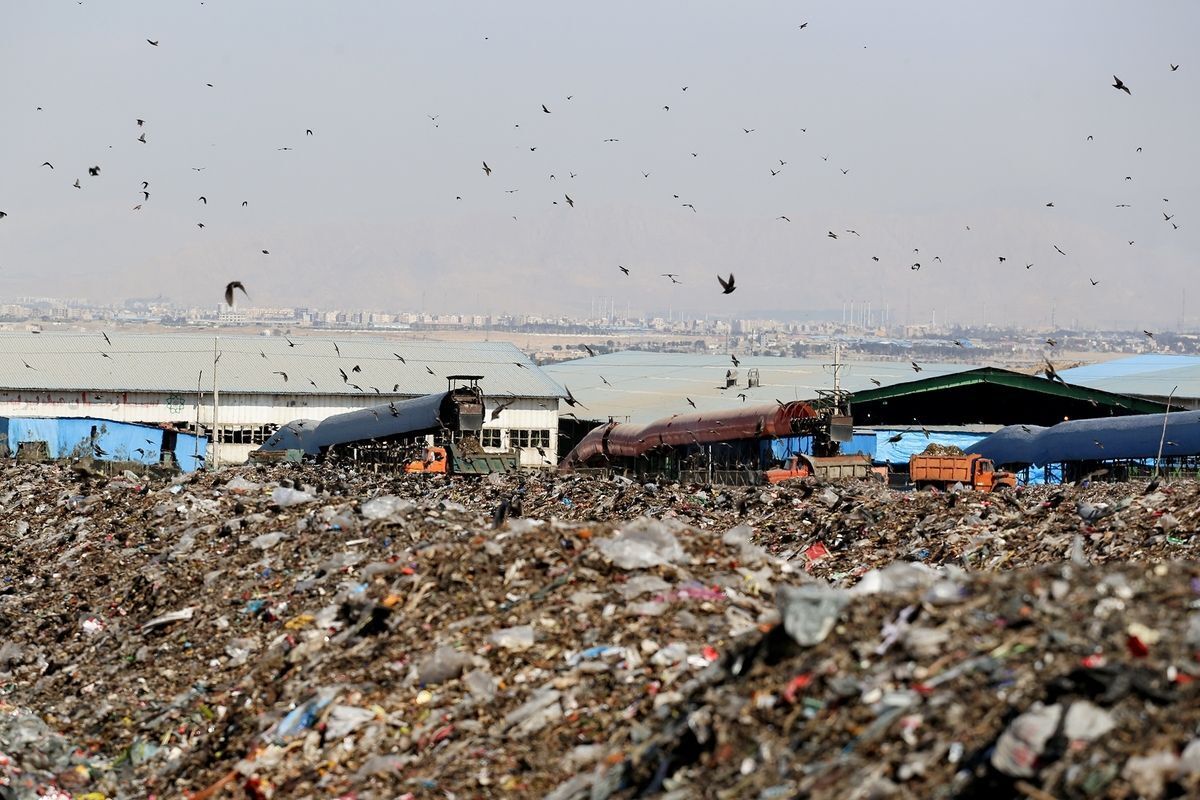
<point>937,134</point>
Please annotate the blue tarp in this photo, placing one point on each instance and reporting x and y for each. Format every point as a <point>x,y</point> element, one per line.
<point>784,448</point>
<point>1133,437</point>
<point>914,442</point>
<point>102,439</point>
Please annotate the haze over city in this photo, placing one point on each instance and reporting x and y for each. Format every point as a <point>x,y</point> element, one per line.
<point>948,128</point>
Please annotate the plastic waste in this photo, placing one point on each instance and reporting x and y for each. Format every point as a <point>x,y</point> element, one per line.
<point>810,611</point>
<point>520,637</point>
<point>286,498</point>
<point>386,507</point>
<point>443,664</point>
<point>641,544</point>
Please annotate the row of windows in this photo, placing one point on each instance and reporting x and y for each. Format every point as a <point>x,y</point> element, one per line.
<point>250,434</point>
<point>517,437</point>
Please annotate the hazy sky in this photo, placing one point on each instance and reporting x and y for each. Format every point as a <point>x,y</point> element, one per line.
<point>945,114</point>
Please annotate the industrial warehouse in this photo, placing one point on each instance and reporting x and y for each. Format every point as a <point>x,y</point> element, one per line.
<point>237,391</point>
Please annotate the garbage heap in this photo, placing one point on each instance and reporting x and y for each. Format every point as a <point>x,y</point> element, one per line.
<point>271,633</point>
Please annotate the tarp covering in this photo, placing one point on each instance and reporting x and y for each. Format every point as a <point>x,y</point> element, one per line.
<point>913,442</point>
<point>628,440</point>
<point>402,418</point>
<point>1133,437</point>
<point>103,440</point>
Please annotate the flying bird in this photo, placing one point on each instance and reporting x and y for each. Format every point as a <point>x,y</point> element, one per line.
<point>877,383</point>
<point>47,164</point>
<point>280,372</point>
<point>229,289</point>
<point>142,138</point>
<point>402,361</point>
<point>202,199</point>
<point>308,132</point>
<point>727,286</point>
<point>76,184</point>
<point>106,339</point>
<point>690,402</point>
<point>1059,249</point>
<point>337,349</point>
<point>915,366</point>
<point>689,205</point>
<point>623,269</point>
<point>671,275</point>
<point>1173,67</point>
<point>1094,281</point>
<point>431,372</point>
<point>734,359</point>
<point>544,109</point>
<point>486,169</point>
<point>1049,205</point>
<point>831,235</point>
<point>1120,86</point>
<point>93,171</point>
<point>785,219</point>
<point>345,377</point>
<point>590,351</point>
<point>266,252</point>
<point>152,42</point>
<point>570,398</point>
<point>1148,333</point>
<point>570,202</point>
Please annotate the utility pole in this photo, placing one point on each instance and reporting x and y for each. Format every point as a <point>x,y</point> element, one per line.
<point>216,432</point>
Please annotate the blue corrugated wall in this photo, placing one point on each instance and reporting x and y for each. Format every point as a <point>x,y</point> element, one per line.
<point>73,437</point>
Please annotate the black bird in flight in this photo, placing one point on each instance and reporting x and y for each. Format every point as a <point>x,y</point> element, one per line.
<point>1167,217</point>
<point>1094,281</point>
<point>345,377</point>
<point>140,122</point>
<point>590,351</point>
<point>604,380</point>
<point>877,383</point>
<point>356,368</point>
<point>831,235</point>
<point>105,335</point>
<point>570,398</point>
<point>76,184</point>
<point>1119,85</point>
<point>570,202</point>
<point>402,361</point>
<point>785,219</point>
<point>203,199</point>
<point>308,132</point>
<point>1173,67</point>
<point>152,42</point>
<point>1148,333</point>
<point>486,169</point>
<point>690,402</point>
<point>727,286</point>
<point>3,214</point>
<point>431,372</point>
<point>670,275</point>
<point>734,359</point>
<point>142,138</point>
<point>689,205</point>
<point>280,372</point>
<point>289,342</point>
<point>337,349</point>
<point>915,366</point>
<point>229,289</point>
<point>546,110</point>
<point>93,171</point>
<point>1049,205</point>
<point>1059,249</point>
<point>803,25</point>
<point>623,269</point>
<point>1002,259</point>
<point>266,252</point>
<point>47,164</point>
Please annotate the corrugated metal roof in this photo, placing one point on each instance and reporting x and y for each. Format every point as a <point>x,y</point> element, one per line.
<point>1149,375</point>
<point>644,386</point>
<point>172,362</point>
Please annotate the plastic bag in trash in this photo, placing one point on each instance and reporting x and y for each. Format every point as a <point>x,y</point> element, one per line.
<point>810,611</point>
<point>519,637</point>
<point>642,543</point>
<point>386,507</point>
<point>285,497</point>
<point>443,664</point>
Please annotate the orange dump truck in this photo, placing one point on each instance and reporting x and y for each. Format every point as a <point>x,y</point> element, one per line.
<point>943,472</point>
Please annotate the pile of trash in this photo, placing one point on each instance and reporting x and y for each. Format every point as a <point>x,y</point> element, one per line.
<point>292,631</point>
<point>935,449</point>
